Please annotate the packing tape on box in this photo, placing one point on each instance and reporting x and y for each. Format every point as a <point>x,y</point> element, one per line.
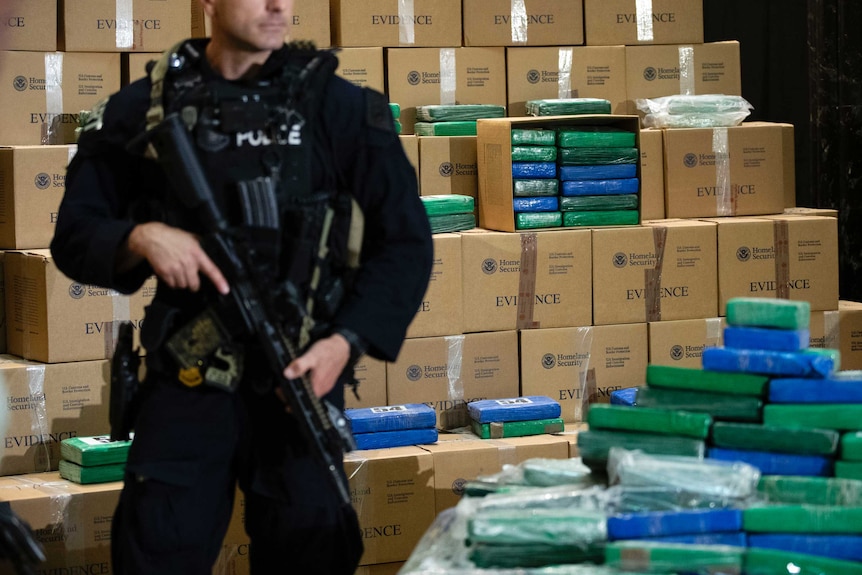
<point>448,76</point>
<point>686,70</point>
<point>406,28</point>
<point>725,197</point>
<point>518,20</point>
<point>832,329</point>
<point>652,276</point>
<point>124,23</point>
<point>713,331</point>
<point>53,98</point>
<point>564,79</point>
<point>643,9</point>
<point>781,240</point>
<point>119,313</point>
<point>454,361</point>
<point>507,454</point>
<point>590,393</point>
<point>527,282</point>
<point>39,424</point>
<point>73,149</point>
<point>358,479</point>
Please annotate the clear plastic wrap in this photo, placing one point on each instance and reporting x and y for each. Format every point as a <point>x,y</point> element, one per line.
<point>570,527</point>
<point>694,111</point>
<point>652,557</point>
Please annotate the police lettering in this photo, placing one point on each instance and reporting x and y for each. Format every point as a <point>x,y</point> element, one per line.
<point>15,22</point>
<point>393,19</point>
<point>111,24</point>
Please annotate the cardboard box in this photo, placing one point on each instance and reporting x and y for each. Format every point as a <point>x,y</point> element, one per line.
<point>43,93</point>
<point>652,174</point>
<point>28,25</point>
<point>736,171</point>
<point>71,521</point>
<point>132,26</point>
<point>526,280</point>
<point>789,152</point>
<point>393,493</point>
<point>655,71</point>
<point>788,257</point>
<point>420,23</point>
<point>55,319</point>
<point>663,270</point>
<point>681,343</point>
<point>494,155</point>
<point>411,148</point>
<point>631,22</point>
<point>362,67</point>
<point>429,76</point>
<point>134,65</point>
<point>460,461</point>
<point>32,183</point>
<point>371,375</point>
<point>45,404</point>
<point>448,372</point>
<point>565,72</point>
<point>840,329</point>
<point>578,366</point>
<point>380,569</point>
<point>528,23</point>
<point>830,212</point>
<point>2,302</point>
<point>448,165</point>
<point>570,434</point>
<point>441,310</point>
<point>309,21</point>
<point>233,559</point>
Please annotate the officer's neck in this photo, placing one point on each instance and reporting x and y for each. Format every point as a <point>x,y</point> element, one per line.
<point>233,63</point>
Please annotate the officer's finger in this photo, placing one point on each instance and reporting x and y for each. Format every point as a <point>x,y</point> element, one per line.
<point>211,271</point>
<point>297,368</point>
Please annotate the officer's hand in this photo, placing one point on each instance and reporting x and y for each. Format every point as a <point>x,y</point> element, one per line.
<point>175,255</point>
<point>322,363</point>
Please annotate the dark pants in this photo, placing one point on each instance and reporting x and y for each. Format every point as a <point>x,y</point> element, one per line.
<point>191,447</point>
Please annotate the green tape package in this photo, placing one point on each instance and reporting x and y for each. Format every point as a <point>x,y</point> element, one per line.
<point>567,106</point>
<point>536,220</point>
<point>802,519</point>
<point>494,556</point>
<point>598,156</point>
<point>458,112</point>
<point>541,187</point>
<point>546,472</point>
<point>652,557</point>
<point>851,446</point>
<point>395,109</point>
<point>535,137</point>
<point>447,204</point>
<point>91,474</point>
<point>767,312</point>
<point>840,416</point>
<point>848,469</point>
<point>649,420</point>
<point>451,223</point>
<point>595,137</point>
<point>692,379</point>
<point>601,218</point>
<point>398,127</point>
<point>811,490</point>
<point>801,441</point>
<point>465,128</point>
<point>95,450</point>
<point>720,406</point>
<point>599,203</point>
<point>564,527</point>
<point>502,429</point>
<point>534,153</point>
<point>595,445</point>
<point>770,562</point>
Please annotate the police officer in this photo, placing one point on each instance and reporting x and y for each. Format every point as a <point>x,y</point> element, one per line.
<point>275,133</point>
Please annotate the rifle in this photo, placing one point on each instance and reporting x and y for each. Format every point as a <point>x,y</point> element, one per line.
<point>324,428</point>
<point>124,383</point>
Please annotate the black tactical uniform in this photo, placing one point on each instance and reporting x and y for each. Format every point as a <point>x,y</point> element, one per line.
<point>193,443</point>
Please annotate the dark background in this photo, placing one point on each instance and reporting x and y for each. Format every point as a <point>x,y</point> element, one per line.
<point>802,64</point>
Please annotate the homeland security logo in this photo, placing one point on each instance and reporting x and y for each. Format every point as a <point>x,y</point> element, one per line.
<point>413,78</point>
<point>414,373</point>
<point>447,169</point>
<point>489,266</point>
<point>76,290</point>
<point>650,74</point>
<point>620,260</point>
<point>689,160</point>
<point>458,486</point>
<point>42,181</point>
<point>676,353</point>
<point>533,76</point>
<point>743,254</point>
<point>19,83</point>
<point>549,361</point>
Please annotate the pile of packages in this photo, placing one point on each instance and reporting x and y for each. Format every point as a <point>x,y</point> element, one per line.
<point>392,425</point>
<point>515,417</point>
<point>453,119</point>
<point>93,459</point>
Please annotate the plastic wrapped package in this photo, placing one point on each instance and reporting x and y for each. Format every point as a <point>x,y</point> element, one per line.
<point>567,106</point>
<point>395,109</point>
<point>804,441</point>
<point>773,562</point>
<point>677,522</point>
<point>535,187</point>
<point>447,204</point>
<point>513,409</point>
<point>595,445</point>
<point>534,170</point>
<point>599,203</point>
<point>844,547</point>
<point>692,379</point>
<point>601,218</point>
<point>811,490</point>
<point>543,472</point>
<point>536,204</point>
<point>848,469</point>
<point>391,417</point>
<point>649,420</point>
<point>743,337</point>
<point>534,137</point>
<point>627,396</point>
<point>833,389</point>
<point>400,438</point>
<point>598,156</point>
<point>770,463</point>
<point>458,112</point>
<point>603,172</point>
<point>589,497</point>
<point>536,220</point>
<point>817,363</point>
<point>600,187</point>
<point>785,518</point>
<point>566,527</point>
<point>653,557</point>
<point>768,312</point>
<point>840,416</point>
<point>452,223</point>
<point>623,499</point>
<point>851,446</point>
<point>694,111</point>
<point>500,429</point>
<point>534,153</point>
<point>595,137</point>
<point>718,405</point>
<point>463,128</point>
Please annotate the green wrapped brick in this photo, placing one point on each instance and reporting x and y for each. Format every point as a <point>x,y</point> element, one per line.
<point>464,128</point>
<point>848,469</point>
<point>395,109</point>
<point>494,556</point>
<point>447,204</point>
<point>546,472</point>
<point>595,445</point>
<point>534,153</point>
<point>535,188</point>
<point>595,137</point>
<point>398,127</point>
<point>692,379</point>
<point>601,218</point>
<point>95,450</point>
<point>802,441</point>
<point>567,106</point>
<point>86,475</point>
<point>439,113</point>
<point>562,527</point>
<point>770,313</point>
<point>598,156</point>
<point>851,446</point>
<point>649,420</point>
<point>537,137</point>
<point>811,490</point>
<point>599,203</point>
<point>653,557</point>
<point>719,406</point>
<point>802,519</point>
<point>774,562</point>
<point>501,429</point>
<point>451,223</point>
<point>536,220</point>
<point>839,416</point>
